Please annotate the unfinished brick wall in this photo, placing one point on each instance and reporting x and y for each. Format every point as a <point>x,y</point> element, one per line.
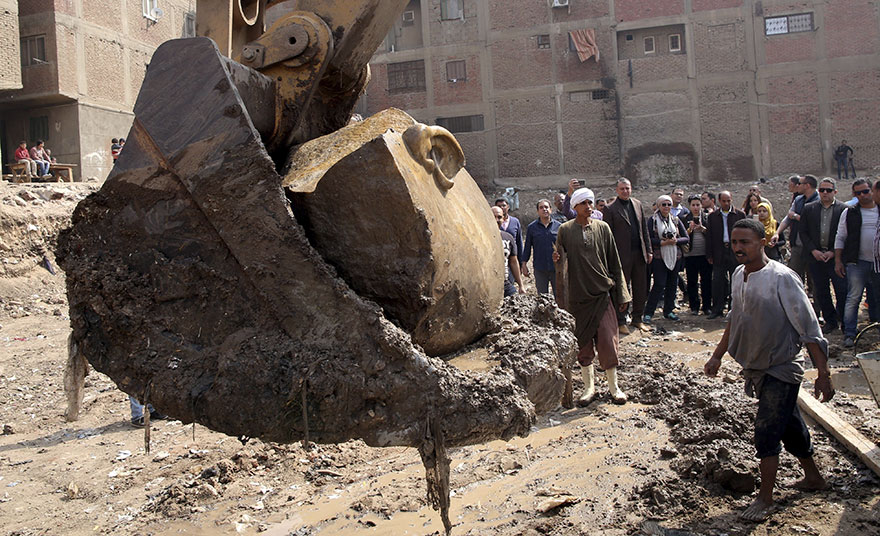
<point>104,13</point>
<point>526,14</point>
<point>590,135</point>
<point>650,69</point>
<point>725,128</point>
<point>720,46</point>
<point>379,98</point>
<point>10,58</point>
<point>851,28</point>
<point>855,114</point>
<point>790,47</point>
<point>526,137</point>
<point>630,10</point>
<point>569,67</point>
<point>104,69</point>
<point>469,90</point>
<point>474,146</point>
<point>518,62</point>
<point>705,5</point>
<point>581,9</point>
<point>793,119</point>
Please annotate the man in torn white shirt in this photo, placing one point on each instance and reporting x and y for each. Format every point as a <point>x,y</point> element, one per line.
<point>771,318</point>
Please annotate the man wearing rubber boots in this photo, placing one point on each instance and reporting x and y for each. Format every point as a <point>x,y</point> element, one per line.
<point>596,292</point>
<point>770,319</point>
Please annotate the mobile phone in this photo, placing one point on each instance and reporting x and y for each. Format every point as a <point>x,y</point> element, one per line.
<point>582,182</point>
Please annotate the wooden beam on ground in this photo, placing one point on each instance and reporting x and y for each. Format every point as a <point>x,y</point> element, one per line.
<point>857,443</point>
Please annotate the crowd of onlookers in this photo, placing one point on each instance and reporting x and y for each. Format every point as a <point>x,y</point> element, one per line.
<point>682,243</point>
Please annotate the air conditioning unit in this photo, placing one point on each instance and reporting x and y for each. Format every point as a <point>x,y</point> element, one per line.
<point>560,3</point>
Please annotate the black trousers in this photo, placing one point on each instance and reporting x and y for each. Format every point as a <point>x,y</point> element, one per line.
<point>664,285</point>
<point>824,277</point>
<point>722,271</point>
<point>699,282</point>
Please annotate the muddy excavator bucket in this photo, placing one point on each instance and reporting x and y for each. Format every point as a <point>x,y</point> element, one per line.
<point>300,307</point>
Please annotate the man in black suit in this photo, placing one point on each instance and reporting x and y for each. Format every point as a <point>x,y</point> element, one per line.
<point>818,229</point>
<point>626,218</point>
<point>720,256</point>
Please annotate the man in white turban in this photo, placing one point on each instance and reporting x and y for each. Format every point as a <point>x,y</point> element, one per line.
<point>597,290</point>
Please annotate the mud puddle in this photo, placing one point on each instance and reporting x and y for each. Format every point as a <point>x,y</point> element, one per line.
<point>550,464</point>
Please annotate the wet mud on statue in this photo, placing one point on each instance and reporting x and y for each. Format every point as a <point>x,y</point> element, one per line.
<point>193,284</point>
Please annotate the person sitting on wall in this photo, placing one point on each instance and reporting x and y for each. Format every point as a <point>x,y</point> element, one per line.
<point>38,154</point>
<point>22,156</point>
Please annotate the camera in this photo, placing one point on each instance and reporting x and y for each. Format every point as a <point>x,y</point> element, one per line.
<point>668,234</point>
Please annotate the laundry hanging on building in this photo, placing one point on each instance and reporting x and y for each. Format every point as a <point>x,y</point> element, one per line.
<point>585,43</point>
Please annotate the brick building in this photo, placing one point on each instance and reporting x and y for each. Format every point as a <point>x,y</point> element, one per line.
<point>81,65</point>
<point>682,90</point>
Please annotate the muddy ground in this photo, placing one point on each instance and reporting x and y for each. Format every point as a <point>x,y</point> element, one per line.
<point>676,460</point>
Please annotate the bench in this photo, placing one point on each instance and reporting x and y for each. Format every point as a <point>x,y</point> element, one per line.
<point>63,172</point>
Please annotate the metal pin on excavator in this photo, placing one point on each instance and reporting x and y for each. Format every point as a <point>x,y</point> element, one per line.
<point>257,264</point>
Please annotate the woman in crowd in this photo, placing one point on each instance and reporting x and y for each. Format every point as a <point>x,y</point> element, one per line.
<point>668,235</point>
<point>765,216</point>
<point>696,264</point>
<point>750,205</point>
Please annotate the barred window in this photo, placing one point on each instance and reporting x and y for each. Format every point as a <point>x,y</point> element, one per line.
<point>406,76</point>
<point>600,94</point>
<point>675,43</point>
<point>33,50</point>
<point>456,71</point>
<point>801,22</point>
<point>463,123</point>
<point>544,41</point>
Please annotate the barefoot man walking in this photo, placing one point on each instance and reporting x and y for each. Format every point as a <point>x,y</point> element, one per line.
<point>596,292</point>
<point>770,319</point>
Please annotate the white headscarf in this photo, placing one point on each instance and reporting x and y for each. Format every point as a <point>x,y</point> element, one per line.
<point>580,195</point>
<point>662,225</point>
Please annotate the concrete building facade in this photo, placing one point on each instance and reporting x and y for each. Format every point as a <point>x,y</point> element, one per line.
<point>681,91</point>
<point>82,63</point>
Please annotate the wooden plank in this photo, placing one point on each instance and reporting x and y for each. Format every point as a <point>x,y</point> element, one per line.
<point>857,443</point>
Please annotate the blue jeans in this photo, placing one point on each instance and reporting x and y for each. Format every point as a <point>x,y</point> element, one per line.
<point>858,274</point>
<point>137,409</point>
<point>42,167</point>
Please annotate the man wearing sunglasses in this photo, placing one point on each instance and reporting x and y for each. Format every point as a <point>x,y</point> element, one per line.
<point>854,254</point>
<point>819,222</point>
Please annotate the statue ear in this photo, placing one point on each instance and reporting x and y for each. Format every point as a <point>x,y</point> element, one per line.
<point>437,150</point>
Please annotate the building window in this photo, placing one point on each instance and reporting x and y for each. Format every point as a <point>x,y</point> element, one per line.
<point>456,71</point>
<point>675,43</point>
<point>802,22</point>
<point>649,45</point>
<point>451,9</point>
<point>409,18</point>
<point>33,50</point>
<point>151,9</point>
<point>464,123</point>
<point>189,24</point>
<point>544,41</point>
<point>629,37</point>
<point>600,94</point>
<point>406,76</point>
<point>39,128</point>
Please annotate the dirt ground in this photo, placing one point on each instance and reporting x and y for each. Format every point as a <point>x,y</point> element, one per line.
<point>675,460</point>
